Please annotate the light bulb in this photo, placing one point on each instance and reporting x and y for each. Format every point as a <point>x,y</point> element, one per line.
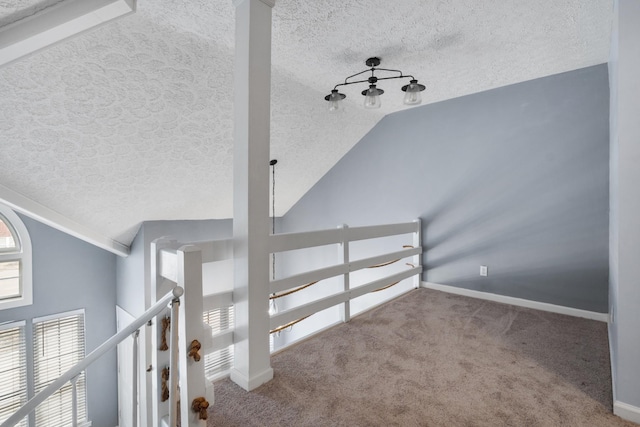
<point>412,97</point>
<point>372,98</point>
<point>334,99</point>
<point>412,94</point>
<point>273,307</point>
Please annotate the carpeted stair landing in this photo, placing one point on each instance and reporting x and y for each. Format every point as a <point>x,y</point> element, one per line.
<point>434,359</point>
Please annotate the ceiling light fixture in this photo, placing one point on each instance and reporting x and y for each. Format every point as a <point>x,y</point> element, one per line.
<point>372,95</point>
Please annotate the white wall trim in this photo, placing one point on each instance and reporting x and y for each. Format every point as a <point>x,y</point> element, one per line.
<point>543,306</point>
<point>612,359</point>
<point>45,215</point>
<point>626,411</point>
<point>24,256</point>
<point>57,23</point>
<point>249,384</point>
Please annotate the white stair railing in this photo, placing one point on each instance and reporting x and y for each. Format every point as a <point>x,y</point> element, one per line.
<point>177,264</point>
<point>172,297</point>
<point>134,393</point>
<point>174,262</point>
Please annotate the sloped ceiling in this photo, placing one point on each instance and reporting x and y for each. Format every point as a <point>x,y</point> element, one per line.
<point>133,121</point>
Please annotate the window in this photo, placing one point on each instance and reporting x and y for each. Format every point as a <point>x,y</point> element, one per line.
<point>13,370</point>
<point>15,261</point>
<point>58,344</point>
<point>218,362</point>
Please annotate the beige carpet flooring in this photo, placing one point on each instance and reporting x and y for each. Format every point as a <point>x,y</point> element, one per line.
<point>434,359</point>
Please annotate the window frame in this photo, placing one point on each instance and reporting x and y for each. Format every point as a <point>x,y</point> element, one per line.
<point>22,255</point>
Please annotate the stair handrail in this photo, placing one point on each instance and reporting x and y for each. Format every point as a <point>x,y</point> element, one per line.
<point>79,367</point>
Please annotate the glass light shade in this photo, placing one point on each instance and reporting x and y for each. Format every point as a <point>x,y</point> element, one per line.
<point>412,94</point>
<point>372,98</point>
<point>412,97</point>
<point>334,100</point>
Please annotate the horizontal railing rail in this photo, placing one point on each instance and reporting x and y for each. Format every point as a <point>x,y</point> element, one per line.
<point>108,345</point>
<point>309,239</point>
<point>336,270</point>
<point>286,316</point>
<point>217,300</point>
<point>211,251</point>
<point>224,338</point>
<point>341,236</point>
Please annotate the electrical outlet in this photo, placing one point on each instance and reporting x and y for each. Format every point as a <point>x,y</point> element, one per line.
<point>484,270</point>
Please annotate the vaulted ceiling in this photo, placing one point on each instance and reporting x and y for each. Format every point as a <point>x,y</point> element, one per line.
<point>133,121</point>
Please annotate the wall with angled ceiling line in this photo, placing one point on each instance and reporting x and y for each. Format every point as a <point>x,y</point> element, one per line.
<point>514,178</point>
<point>68,275</point>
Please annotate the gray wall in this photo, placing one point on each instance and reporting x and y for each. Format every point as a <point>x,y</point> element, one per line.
<point>133,271</point>
<point>69,274</point>
<point>625,204</point>
<point>515,178</point>
<point>130,277</point>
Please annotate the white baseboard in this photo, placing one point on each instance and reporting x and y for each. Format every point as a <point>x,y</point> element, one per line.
<point>569,311</point>
<point>612,362</point>
<point>251,383</point>
<point>627,412</point>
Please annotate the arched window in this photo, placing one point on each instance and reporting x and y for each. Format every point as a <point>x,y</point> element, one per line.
<point>15,261</point>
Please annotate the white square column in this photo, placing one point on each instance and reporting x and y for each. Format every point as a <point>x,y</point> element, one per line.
<point>252,98</point>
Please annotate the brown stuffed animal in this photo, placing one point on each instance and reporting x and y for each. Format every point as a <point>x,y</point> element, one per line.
<point>200,405</point>
<point>194,348</point>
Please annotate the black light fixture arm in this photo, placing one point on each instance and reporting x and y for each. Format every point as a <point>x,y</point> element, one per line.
<point>373,79</point>
<point>412,90</point>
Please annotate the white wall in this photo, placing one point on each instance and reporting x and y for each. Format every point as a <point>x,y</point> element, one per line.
<point>625,209</point>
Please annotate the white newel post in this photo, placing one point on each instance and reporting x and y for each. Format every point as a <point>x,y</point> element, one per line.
<point>192,379</point>
<point>252,90</point>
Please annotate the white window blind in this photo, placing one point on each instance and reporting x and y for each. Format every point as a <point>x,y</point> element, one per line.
<point>13,371</point>
<point>58,345</point>
<point>218,363</point>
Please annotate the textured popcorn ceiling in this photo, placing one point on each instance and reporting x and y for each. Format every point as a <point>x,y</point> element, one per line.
<point>15,10</point>
<point>133,121</point>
